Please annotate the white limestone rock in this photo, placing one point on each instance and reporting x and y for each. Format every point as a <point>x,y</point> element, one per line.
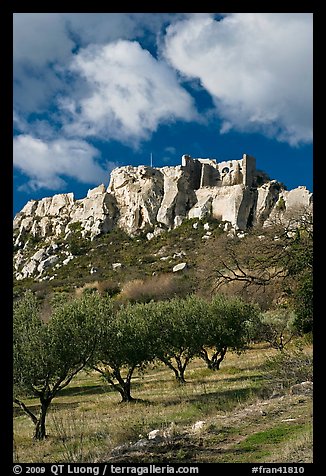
<point>178,196</point>
<point>29,269</point>
<point>227,203</point>
<point>198,426</point>
<point>303,388</point>
<point>138,192</point>
<point>96,212</point>
<point>116,266</point>
<point>291,204</point>
<point>67,260</point>
<point>47,263</point>
<point>267,197</point>
<point>18,259</point>
<point>179,267</point>
<point>39,255</point>
<point>202,208</point>
<point>152,435</point>
<point>96,191</point>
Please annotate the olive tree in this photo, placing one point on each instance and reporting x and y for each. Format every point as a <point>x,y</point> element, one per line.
<point>47,356</point>
<point>125,344</point>
<point>277,327</point>
<point>229,325</point>
<point>178,327</point>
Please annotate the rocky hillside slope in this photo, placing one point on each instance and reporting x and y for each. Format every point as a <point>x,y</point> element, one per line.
<point>149,201</point>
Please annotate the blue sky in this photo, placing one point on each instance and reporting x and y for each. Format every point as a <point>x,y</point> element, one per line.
<point>96,91</point>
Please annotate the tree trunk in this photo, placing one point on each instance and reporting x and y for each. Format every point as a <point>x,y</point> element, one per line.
<point>124,386</point>
<point>125,393</point>
<point>215,361</point>
<point>40,432</point>
<point>181,377</point>
<point>179,370</point>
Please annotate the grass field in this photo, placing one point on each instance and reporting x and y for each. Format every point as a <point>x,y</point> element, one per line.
<point>243,420</point>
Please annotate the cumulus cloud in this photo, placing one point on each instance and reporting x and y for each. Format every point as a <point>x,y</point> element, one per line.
<point>130,93</point>
<point>44,43</point>
<point>256,66</point>
<point>46,163</point>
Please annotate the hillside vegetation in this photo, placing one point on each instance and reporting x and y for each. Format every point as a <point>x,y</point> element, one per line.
<point>210,358</point>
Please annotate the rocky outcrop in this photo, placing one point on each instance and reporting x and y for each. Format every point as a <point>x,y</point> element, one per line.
<point>138,193</point>
<point>228,203</point>
<point>153,200</point>
<point>290,204</point>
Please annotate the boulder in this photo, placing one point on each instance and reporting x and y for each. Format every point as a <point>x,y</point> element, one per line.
<point>39,255</point>
<point>154,434</point>
<point>180,254</point>
<point>116,266</point>
<point>29,269</point>
<point>140,444</point>
<point>198,426</point>
<point>67,260</point>
<point>179,267</point>
<point>47,263</point>
<point>303,388</point>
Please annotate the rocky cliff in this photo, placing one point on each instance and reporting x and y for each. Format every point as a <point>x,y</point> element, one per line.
<point>155,199</point>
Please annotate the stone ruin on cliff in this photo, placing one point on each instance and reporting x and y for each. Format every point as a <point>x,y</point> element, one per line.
<point>144,197</point>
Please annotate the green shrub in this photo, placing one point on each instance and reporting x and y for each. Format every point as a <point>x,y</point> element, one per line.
<point>277,327</point>
<point>280,206</point>
<point>290,367</point>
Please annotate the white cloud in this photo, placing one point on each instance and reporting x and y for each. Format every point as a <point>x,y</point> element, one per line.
<point>46,163</point>
<point>44,43</point>
<point>256,66</point>
<point>130,94</point>
<point>40,40</point>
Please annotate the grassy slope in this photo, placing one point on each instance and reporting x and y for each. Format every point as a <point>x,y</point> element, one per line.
<point>242,422</point>
<point>86,421</point>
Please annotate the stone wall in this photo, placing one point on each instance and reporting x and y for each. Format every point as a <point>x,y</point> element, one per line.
<point>209,173</point>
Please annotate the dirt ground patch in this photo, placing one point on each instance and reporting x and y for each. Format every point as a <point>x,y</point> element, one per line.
<point>254,433</point>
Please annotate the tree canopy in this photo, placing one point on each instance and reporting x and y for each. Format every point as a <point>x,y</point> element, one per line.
<point>48,355</point>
